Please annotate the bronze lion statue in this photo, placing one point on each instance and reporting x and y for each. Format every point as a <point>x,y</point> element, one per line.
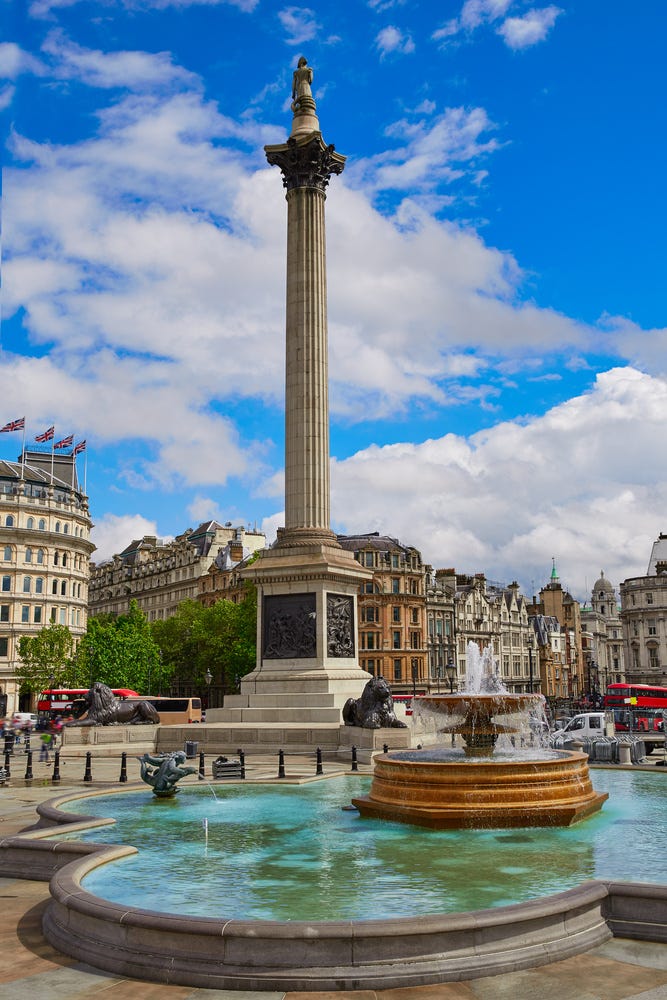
<point>374,709</point>
<point>103,708</point>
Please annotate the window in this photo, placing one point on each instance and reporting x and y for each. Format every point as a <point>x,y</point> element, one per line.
<point>30,523</point>
<point>653,661</point>
<point>37,615</point>
<point>8,553</point>
<point>370,666</point>
<point>396,614</point>
<point>63,588</point>
<point>415,640</point>
<point>57,525</point>
<point>56,558</point>
<point>63,614</point>
<point>39,585</point>
<point>27,584</point>
<point>368,559</point>
<point>397,640</point>
<point>394,560</point>
<point>40,555</point>
<point>6,583</point>
<point>4,612</point>
<point>66,529</point>
<point>54,587</point>
<point>4,643</point>
<point>25,613</point>
<point>28,554</point>
<point>397,670</point>
<point>395,586</point>
<point>438,626</point>
<point>652,627</point>
<point>42,524</point>
<point>370,640</point>
<point>415,616</point>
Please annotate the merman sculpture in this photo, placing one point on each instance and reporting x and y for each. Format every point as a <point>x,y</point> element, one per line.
<point>163,770</point>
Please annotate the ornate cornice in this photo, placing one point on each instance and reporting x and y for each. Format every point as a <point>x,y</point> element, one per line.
<point>306,162</point>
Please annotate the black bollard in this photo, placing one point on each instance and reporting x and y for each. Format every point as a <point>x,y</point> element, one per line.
<point>7,768</point>
<point>26,749</point>
<point>242,762</point>
<point>123,768</point>
<point>355,766</point>
<point>55,777</point>
<point>88,774</point>
<point>318,767</point>
<point>9,743</point>
<point>281,764</point>
<point>202,767</point>
<point>28,767</point>
<point>385,748</point>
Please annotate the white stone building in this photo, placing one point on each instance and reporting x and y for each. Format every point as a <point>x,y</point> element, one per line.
<point>644,618</point>
<point>45,550</point>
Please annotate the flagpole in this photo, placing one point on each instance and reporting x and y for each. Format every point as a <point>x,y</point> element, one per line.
<point>53,441</point>
<point>23,452</point>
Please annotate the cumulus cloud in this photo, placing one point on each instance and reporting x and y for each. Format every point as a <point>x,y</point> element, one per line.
<point>519,31</point>
<point>299,23</point>
<point>582,480</point>
<point>14,61</point>
<point>133,70</point>
<point>393,40</point>
<point>530,28</point>
<point>113,532</point>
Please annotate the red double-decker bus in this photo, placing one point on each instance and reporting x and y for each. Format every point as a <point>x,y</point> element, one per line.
<point>55,702</point>
<point>637,706</point>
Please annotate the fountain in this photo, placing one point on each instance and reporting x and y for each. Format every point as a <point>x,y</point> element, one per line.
<point>481,784</point>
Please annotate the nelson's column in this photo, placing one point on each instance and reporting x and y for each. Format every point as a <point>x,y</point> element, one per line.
<point>307,584</point>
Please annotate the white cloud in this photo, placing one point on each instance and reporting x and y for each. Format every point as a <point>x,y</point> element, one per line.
<point>586,478</point>
<point>14,61</point>
<point>113,532</point>
<point>132,70</point>
<point>529,29</point>
<point>44,8</point>
<point>299,23</point>
<point>392,40</point>
<point>433,150</point>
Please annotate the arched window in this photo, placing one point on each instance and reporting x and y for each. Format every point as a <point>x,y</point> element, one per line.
<point>39,585</point>
<point>64,559</point>
<point>66,529</point>
<point>28,554</point>
<point>8,553</point>
<point>54,587</point>
<point>27,584</point>
<point>10,521</point>
<point>63,588</point>
<point>57,525</point>
<point>56,558</point>
<point>42,524</point>
<point>40,555</point>
<point>30,523</point>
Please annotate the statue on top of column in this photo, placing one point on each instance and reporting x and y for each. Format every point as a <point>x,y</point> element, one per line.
<point>301,81</point>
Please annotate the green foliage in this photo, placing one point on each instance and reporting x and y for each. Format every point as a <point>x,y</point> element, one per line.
<point>46,659</point>
<point>220,639</point>
<point>121,652</point>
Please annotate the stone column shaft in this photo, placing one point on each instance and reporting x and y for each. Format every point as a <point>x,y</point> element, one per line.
<point>307,486</point>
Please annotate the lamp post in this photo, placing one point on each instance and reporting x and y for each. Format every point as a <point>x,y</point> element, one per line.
<point>208,677</point>
<point>451,670</point>
<point>414,679</point>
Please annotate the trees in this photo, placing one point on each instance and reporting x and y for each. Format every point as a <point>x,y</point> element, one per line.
<point>220,640</point>
<point>46,659</point>
<point>121,652</point>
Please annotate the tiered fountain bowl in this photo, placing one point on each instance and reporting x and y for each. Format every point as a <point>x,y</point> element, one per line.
<point>474,786</point>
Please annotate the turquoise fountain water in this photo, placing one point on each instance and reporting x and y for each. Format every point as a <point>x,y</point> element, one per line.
<point>293,853</point>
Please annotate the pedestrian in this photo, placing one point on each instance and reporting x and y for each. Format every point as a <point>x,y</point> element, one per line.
<point>46,740</point>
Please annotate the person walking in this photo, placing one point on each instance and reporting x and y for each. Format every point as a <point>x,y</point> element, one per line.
<point>45,747</point>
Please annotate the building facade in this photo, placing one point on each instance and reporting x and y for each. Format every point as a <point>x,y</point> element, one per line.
<point>644,620</point>
<point>160,575</point>
<point>602,640</point>
<point>555,602</point>
<point>45,551</point>
<point>392,611</point>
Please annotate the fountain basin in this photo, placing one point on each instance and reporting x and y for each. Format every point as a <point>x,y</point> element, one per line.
<point>408,787</point>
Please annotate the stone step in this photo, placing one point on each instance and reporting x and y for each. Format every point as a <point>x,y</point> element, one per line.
<point>315,700</point>
<point>278,716</point>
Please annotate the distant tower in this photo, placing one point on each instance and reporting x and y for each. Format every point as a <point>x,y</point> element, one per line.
<point>307,583</point>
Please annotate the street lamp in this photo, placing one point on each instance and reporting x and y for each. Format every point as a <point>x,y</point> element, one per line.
<point>414,679</point>
<point>451,670</point>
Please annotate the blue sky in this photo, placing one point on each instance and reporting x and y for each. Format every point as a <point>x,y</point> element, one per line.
<point>496,262</point>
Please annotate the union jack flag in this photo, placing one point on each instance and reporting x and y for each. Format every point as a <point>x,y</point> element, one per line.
<point>13,425</point>
<point>79,448</point>
<point>65,442</point>
<point>47,435</point>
